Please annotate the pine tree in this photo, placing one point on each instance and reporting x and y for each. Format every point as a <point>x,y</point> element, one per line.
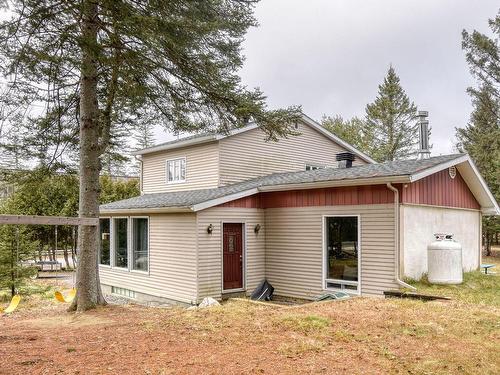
<point>391,118</point>
<point>144,138</point>
<point>353,131</point>
<point>481,137</point>
<point>481,140</point>
<point>98,63</point>
<point>144,135</point>
<point>16,246</point>
<point>483,56</point>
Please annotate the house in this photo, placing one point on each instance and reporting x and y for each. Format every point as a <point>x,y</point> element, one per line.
<point>218,214</point>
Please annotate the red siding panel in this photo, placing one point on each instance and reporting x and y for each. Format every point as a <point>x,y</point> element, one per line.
<point>440,189</point>
<point>372,194</point>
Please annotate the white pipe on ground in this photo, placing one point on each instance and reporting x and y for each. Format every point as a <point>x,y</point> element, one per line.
<point>396,239</point>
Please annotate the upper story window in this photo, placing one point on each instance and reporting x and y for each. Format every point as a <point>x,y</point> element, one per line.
<point>176,170</point>
<point>311,167</point>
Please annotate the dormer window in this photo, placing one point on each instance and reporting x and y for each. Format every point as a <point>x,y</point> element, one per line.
<point>176,170</point>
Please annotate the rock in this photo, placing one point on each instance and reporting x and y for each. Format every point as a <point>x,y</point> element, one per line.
<point>208,302</point>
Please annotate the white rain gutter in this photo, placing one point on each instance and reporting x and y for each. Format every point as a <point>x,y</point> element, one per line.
<point>396,235</point>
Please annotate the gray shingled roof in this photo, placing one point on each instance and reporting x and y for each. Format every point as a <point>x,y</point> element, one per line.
<point>193,197</point>
<point>183,139</point>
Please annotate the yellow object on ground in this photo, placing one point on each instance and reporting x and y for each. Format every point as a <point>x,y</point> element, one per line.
<point>70,298</point>
<point>13,304</point>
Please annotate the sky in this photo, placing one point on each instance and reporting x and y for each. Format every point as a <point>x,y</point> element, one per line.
<point>329,56</point>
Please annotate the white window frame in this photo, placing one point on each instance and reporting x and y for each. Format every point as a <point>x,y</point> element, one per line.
<point>131,250</point>
<point>130,253</point>
<point>110,242</point>
<point>313,166</point>
<point>167,171</point>
<point>113,244</point>
<point>325,264</point>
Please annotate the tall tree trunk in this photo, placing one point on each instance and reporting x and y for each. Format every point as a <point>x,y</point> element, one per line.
<point>12,271</point>
<point>66,257</point>
<point>73,249</point>
<point>488,244</point>
<point>87,276</point>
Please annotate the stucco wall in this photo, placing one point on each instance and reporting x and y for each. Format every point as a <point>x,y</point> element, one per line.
<point>419,223</point>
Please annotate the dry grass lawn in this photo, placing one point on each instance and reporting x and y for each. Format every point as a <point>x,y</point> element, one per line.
<point>360,335</point>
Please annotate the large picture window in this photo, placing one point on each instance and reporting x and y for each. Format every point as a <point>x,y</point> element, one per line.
<point>342,252</point>
<point>140,244</point>
<point>176,170</point>
<point>120,230</point>
<point>105,241</point>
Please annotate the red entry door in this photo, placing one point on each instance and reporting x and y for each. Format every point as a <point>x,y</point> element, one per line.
<point>232,255</point>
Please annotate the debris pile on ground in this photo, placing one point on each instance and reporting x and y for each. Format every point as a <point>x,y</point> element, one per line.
<point>263,292</point>
<point>333,296</point>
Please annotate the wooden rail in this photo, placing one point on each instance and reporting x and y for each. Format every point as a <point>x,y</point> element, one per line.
<point>48,220</point>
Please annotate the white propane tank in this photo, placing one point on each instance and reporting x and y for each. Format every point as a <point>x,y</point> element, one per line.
<point>444,260</point>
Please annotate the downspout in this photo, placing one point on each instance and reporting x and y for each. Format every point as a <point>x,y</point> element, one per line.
<point>139,159</point>
<point>396,235</point>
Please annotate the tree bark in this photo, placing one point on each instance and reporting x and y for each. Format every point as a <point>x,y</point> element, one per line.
<point>66,257</point>
<point>88,288</point>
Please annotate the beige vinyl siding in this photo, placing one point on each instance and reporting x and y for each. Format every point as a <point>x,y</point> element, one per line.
<point>247,155</point>
<point>210,248</point>
<point>172,261</point>
<point>294,248</point>
<point>202,168</point>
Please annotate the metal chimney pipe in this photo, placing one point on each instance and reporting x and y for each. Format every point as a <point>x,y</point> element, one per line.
<point>423,130</point>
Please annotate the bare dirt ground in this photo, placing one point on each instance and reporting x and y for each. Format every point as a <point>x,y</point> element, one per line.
<point>356,336</point>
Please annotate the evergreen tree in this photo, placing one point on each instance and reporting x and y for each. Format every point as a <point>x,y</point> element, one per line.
<point>391,118</point>
<point>97,63</point>
<point>483,56</point>
<point>144,138</point>
<point>16,246</point>
<point>481,137</point>
<point>144,135</point>
<point>481,140</point>
<point>353,131</point>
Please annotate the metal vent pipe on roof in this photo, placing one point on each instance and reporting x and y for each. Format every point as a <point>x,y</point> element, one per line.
<point>423,131</point>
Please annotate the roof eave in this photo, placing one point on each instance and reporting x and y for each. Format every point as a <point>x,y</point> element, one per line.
<point>489,205</point>
<point>189,142</point>
<point>299,186</point>
<point>221,200</point>
<point>146,210</point>
<point>339,183</point>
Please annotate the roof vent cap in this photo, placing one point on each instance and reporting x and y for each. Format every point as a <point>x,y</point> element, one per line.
<point>345,159</point>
